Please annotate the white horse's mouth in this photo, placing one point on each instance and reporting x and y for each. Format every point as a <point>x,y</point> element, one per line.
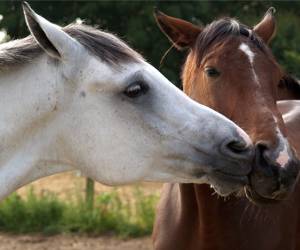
<point>225,184</point>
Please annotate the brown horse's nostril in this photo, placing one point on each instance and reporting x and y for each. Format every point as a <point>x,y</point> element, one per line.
<point>265,160</point>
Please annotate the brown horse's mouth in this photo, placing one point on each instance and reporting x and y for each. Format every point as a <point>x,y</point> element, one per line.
<point>242,184</point>
<point>259,200</point>
<point>269,183</point>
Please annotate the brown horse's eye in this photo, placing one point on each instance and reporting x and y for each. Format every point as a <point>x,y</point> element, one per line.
<point>211,72</point>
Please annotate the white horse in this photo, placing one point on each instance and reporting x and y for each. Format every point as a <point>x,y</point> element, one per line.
<point>79,98</point>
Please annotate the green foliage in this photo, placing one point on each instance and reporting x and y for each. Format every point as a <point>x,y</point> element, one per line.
<point>47,214</point>
<point>35,214</point>
<point>292,60</point>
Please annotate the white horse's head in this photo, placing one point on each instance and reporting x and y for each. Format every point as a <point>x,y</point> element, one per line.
<point>79,98</point>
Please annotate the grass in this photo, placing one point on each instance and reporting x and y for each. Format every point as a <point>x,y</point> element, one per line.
<point>111,214</point>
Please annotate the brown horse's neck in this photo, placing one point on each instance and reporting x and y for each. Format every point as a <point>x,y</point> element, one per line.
<point>209,206</point>
<point>216,218</point>
<point>234,222</point>
<point>208,203</point>
<point>198,215</point>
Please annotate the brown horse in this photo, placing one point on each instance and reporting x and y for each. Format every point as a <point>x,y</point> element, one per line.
<point>229,68</point>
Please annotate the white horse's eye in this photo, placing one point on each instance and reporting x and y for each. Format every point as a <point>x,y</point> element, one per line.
<point>136,89</point>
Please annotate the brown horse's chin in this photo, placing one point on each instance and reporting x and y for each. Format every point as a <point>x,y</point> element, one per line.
<point>257,199</point>
<point>263,186</point>
<point>268,187</point>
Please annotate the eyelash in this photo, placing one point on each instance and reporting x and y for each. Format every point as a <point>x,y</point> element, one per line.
<point>136,89</point>
<point>212,72</point>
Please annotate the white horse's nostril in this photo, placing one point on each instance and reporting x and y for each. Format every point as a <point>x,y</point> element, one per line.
<point>237,149</point>
<point>246,138</point>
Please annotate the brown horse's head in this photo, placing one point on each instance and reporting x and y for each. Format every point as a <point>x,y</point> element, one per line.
<point>230,69</point>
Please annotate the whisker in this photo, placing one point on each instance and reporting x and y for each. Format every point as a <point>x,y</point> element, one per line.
<point>165,55</point>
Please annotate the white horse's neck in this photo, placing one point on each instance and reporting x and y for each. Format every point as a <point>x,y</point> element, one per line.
<point>29,141</point>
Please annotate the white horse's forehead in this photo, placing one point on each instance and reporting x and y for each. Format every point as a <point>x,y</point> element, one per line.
<point>106,75</point>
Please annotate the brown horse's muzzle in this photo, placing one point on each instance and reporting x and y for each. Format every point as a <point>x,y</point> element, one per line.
<point>269,181</point>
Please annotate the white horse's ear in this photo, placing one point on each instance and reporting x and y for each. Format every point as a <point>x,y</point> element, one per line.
<point>52,39</point>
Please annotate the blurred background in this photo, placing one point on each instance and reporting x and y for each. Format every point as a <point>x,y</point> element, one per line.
<point>70,204</point>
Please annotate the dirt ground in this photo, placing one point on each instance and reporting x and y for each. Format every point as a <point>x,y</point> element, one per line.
<point>67,185</point>
<point>67,242</point>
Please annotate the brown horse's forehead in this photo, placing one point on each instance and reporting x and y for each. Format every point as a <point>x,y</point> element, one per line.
<point>225,52</point>
<point>238,53</point>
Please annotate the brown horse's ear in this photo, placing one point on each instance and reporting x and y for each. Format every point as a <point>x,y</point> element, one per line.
<point>266,28</point>
<point>181,33</point>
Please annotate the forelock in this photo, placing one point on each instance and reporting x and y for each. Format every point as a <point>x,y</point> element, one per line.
<point>220,31</point>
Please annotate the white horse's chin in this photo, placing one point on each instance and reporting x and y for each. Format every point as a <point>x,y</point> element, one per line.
<point>225,187</point>
<point>226,191</point>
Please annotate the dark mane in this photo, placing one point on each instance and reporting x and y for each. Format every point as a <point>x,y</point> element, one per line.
<point>105,46</point>
<point>222,29</point>
<point>292,84</point>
